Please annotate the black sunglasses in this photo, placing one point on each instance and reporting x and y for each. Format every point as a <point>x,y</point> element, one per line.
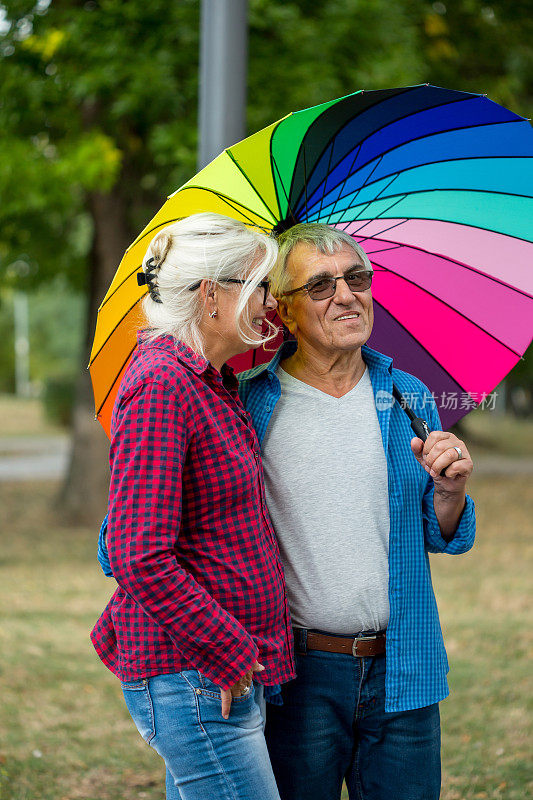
<point>264,285</point>
<point>321,288</point>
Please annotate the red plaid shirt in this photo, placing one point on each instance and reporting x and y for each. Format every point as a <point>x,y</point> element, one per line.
<point>200,581</point>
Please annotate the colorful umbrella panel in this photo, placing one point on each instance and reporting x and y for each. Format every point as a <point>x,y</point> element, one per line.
<point>435,184</point>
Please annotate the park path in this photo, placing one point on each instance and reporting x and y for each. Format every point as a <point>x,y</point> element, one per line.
<point>25,458</point>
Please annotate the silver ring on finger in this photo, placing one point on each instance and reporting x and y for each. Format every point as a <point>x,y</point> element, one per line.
<point>459,453</point>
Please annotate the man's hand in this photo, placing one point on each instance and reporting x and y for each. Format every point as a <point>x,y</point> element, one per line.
<point>239,688</point>
<point>437,453</point>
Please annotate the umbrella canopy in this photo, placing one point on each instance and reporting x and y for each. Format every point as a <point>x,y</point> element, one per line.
<point>436,185</point>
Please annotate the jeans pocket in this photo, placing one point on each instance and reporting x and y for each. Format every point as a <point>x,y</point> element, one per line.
<point>139,704</point>
<point>246,696</point>
<point>210,689</point>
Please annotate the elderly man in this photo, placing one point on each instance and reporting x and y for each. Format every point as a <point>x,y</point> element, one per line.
<point>357,504</point>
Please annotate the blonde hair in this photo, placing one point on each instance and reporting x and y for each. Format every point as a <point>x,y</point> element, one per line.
<point>202,246</point>
<point>326,240</point>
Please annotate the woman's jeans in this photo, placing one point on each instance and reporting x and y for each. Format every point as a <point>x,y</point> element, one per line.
<point>333,726</point>
<point>207,757</point>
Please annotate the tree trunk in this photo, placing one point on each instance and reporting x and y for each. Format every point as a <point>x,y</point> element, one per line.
<point>82,499</point>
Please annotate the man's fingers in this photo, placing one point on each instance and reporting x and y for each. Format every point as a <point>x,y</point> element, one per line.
<point>436,438</point>
<point>225,695</point>
<point>417,445</point>
<point>455,467</point>
<point>257,667</point>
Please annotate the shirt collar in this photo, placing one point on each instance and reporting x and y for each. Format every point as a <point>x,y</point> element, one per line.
<point>188,357</point>
<point>374,360</point>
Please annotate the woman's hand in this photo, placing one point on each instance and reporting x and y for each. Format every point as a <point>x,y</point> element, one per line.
<point>239,688</point>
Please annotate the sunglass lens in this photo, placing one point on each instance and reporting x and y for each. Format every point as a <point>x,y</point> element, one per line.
<point>322,288</point>
<point>359,283</point>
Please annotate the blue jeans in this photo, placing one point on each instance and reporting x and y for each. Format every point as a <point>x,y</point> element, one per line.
<point>206,756</point>
<point>332,727</point>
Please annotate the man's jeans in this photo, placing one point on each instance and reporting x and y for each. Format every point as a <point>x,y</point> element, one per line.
<point>207,757</point>
<point>333,726</point>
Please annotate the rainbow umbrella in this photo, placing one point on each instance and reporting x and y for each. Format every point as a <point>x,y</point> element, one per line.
<point>435,184</point>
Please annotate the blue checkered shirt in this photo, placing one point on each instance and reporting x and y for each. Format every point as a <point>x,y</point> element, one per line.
<point>416,658</point>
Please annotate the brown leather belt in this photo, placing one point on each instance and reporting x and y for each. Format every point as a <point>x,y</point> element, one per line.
<point>358,646</point>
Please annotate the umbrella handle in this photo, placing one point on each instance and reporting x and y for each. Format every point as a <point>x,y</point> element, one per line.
<point>420,428</point>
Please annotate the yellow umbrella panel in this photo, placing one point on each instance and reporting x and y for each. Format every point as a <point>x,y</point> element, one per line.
<point>214,189</point>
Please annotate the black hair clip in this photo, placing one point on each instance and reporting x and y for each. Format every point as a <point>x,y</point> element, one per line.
<point>148,279</point>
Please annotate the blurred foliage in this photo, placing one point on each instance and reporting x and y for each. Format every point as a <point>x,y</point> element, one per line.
<point>58,400</point>
<point>7,349</point>
<point>57,317</point>
<point>101,96</point>
<point>93,94</point>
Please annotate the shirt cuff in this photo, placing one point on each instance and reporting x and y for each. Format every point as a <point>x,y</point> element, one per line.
<point>225,668</point>
<point>464,535</point>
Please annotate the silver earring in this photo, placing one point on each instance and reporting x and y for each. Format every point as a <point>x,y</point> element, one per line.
<point>213,313</point>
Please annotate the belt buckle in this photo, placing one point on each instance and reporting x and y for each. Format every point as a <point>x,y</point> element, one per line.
<point>361,639</point>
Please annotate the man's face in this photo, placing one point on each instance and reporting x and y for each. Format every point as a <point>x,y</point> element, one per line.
<point>339,323</point>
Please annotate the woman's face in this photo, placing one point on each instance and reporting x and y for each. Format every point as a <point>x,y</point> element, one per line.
<point>252,321</point>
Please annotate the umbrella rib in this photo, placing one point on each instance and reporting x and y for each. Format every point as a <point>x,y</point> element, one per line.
<point>422,136</point>
<point>376,165</point>
<point>332,141</point>
<point>230,154</point>
<point>110,334</point>
<point>381,212</point>
<point>170,221</point>
<point>468,267</point>
<point>418,166</point>
<point>398,92</point>
<point>272,158</point>
<point>452,222</point>
<point>234,204</point>
<point>357,151</point>
<point>122,282</point>
<point>383,249</point>
<point>305,183</point>
<point>369,221</point>
<point>405,116</point>
<point>452,308</point>
<point>459,189</point>
<point>222,197</point>
<point>373,199</point>
<point>450,189</point>
<point>282,185</point>
<point>419,343</point>
<point>102,404</point>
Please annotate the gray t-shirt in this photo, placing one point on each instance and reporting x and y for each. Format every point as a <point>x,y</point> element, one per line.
<point>327,493</point>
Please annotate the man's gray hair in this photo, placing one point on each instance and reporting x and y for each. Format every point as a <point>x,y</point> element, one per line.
<point>326,240</point>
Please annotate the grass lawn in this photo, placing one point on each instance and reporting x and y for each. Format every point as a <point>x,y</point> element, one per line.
<point>64,730</point>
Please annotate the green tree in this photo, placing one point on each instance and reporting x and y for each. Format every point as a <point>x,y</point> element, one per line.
<point>98,121</point>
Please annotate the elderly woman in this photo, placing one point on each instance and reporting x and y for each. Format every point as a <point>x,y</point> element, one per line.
<point>199,623</point>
